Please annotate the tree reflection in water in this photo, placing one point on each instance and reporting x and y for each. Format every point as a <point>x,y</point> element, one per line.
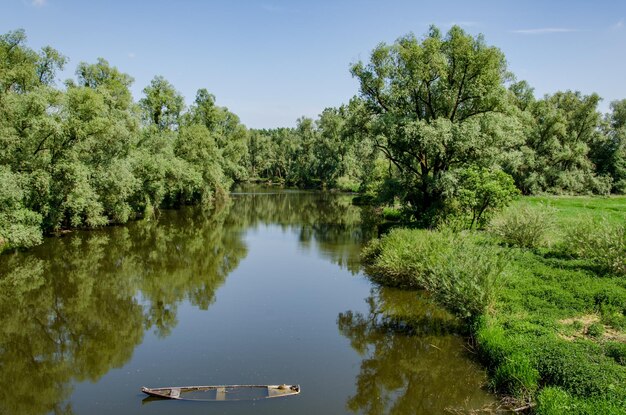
<point>413,363</point>
<point>71,310</point>
<point>327,221</point>
<point>77,306</point>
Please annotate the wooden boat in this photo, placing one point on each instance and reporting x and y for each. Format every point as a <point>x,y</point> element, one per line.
<point>223,392</point>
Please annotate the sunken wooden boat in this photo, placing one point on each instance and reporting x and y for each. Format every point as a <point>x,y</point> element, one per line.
<point>223,392</point>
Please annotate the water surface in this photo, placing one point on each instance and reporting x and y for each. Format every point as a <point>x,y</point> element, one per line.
<point>266,290</point>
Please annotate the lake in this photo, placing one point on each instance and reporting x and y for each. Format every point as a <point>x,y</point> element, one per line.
<point>265,290</point>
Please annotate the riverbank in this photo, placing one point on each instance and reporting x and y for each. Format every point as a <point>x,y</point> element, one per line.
<point>549,319</point>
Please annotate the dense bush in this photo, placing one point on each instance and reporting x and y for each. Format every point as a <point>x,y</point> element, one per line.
<point>617,351</point>
<point>524,226</point>
<point>461,272</point>
<point>600,241</point>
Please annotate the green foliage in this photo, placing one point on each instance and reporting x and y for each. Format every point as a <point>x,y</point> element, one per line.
<point>482,192</point>
<point>555,157</point>
<point>556,401</point>
<point>330,152</point>
<point>600,241</point>
<point>19,226</point>
<point>392,214</point>
<point>516,376</point>
<point>595,330</point>
<point>524,226</point>
<point>617,351</point>
<point>162,104</point>
<point>435,105</point>
<point>461,273</point>
<point>80,157</point>
<point>608,150</point>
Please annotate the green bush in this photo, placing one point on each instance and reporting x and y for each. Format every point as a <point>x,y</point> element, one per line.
<point>524,226</point>
<point>600,241</point>
<point>481,192</point>
<point>392,214</point>
<point>616,351</point>
<point>595,330</point>
<point>461,273</point>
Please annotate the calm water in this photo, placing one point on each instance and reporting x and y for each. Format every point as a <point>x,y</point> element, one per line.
<point>266,290</point>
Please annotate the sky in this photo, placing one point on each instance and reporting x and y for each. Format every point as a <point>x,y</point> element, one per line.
<point>272,61</point>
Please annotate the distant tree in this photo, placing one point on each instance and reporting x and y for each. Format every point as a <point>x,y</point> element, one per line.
<point>558,140</point>
<point>162,104</point>
<point>108,80</point>
<point>608,151</point>
<point>230,135</point>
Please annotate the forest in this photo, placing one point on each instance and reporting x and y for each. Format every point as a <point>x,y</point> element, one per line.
<point>439,127</point>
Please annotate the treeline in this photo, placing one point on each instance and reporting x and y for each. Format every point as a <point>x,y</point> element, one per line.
<point>86,155</point>
<point>441,126</point>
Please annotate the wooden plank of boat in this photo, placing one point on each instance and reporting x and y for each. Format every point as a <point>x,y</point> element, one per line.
<point>223,392</point>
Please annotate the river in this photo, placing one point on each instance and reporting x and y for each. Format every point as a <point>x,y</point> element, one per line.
<point>265,290</point>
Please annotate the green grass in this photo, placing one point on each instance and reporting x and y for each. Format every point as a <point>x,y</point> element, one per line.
<point>570,209</point>
<point>556,334</point>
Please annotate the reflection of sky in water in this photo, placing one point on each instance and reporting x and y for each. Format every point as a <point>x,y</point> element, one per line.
<point>249,294</point>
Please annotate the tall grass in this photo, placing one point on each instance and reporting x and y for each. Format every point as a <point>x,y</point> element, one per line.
<point>461,272</point>
<point>600,241</point>
<point>524,226</point>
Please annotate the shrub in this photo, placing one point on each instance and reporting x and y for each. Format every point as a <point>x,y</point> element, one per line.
<point>600,241</point>
<point>524,226</point>
<point>392,214</point>
<point>595,330</point>
<point>459,271</point>
<point>616,351</point>
<point>481,192</point>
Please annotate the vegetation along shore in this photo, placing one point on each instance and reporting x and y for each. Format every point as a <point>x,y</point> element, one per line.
<point>507,209</point>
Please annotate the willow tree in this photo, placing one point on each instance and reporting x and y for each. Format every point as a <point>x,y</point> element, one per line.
<point>435,105</point>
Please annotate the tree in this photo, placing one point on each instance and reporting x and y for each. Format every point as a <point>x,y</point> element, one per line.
<point>108,80</point>
<point>162,104</point>
<point>434,105</point>
<point>557,148</point>
<point>608,151</point>
<point>229,134</point>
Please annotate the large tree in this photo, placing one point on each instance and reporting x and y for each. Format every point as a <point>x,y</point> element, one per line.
<point>436,105</point>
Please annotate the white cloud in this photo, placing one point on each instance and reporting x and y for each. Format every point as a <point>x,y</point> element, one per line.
<point>39,3</point>
<point>618,26</point>
<point>132,55</point>
<point>544,31</point>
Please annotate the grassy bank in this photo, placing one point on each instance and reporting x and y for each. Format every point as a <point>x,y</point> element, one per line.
<point>549,318</point>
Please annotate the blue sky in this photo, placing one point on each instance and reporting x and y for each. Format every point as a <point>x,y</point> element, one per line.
<point>273,61</point>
